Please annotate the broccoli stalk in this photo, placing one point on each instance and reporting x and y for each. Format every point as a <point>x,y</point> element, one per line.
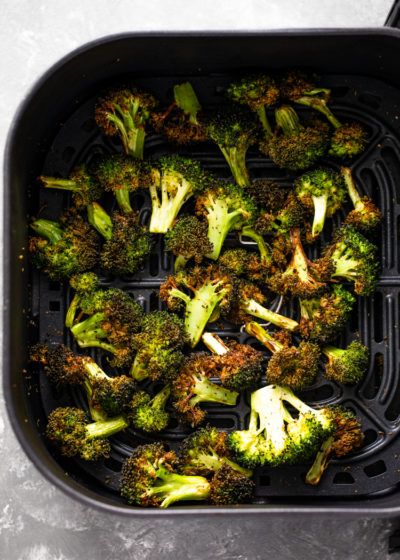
<point>265,254</point>
<point>48,229</point>
<point>365,216</point>
<point>186,99</point>
<point>85,189</point>
<point>100,220</point>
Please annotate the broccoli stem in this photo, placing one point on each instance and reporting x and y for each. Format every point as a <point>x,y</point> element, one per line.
<point>94,370</point>
<point>320,208</point>
<point>236,159</point>
<point>132,135</point>
<point>63,184</point>
<point>320,464</point>
<point>138,369</point>
<point>186,99</point>
<point>96,415</point>
<point>199,310</point>
<point>351,188</point>
<point>106,428</point>
<point>165,211</point>
<point>220,223</point>
<point>265,256</point>
<point>100,220</point>
<point>123,200</point>
<point>88,333</point>
<point>206,391</point>
<point>72,309</point>
<point>252,307</point>
<point>262,114</point>
<point>287,120</point>
<point>159,401</point>
<point>177,487</point>
<point>345,267</point>
<point>321,106</point>
<point>180,263</point>
<point>215,344</point>
<point>271,415</point>
<point>256,330</point>
<point>333,352</point>
<point>48,229</point>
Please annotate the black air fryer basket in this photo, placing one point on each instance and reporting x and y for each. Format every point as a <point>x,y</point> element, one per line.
<point>54,130</point>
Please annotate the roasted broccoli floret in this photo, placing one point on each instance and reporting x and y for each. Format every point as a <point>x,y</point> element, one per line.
<point>84,187</point>
<point>291,215</point>
<point>148,413</point>
<point>188,239</point>
<point>148,478</point>
<point>293,366</point>
<point>64,248</point>
<point>294,146</point>
<point>226,207</point>
<point>175,180</point>
<point>275,437</point>
<point>205,452</point>
<point>83,285</point>
<point>212,290</point>
<point>239,366</point>
<point>366,215</point>
<point>346,438</point>
<point>69,429</point>
<point>159,346</point>
<point>346,365</point>
<point>322,192</point>
<point>300,278</point>
<point>127,242</point>
<point>234,130</point>
<point>180,123</point>
<point>323,318</point>
<point>352,257</point>
<point>242,263</point>
<point>248,303</point>
<point>258,93</point>
<point>267,195</point>
<point>349,139</point>
<point>113,320</point>
<point>122,175</point>
<point>193,386</point>
<point>125,113</point>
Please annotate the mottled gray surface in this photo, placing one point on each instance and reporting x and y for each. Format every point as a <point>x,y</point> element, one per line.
<point>37,522</point>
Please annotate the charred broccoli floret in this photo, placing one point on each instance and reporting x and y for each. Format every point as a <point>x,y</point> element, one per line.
<point>348,140</point>
<point>234,130</point>
<point>294,146</point>
<point>226,207</point>
<point>294,367</point>
<point>366,215</point>
<point>291,215</point>
<point>267,195</point>
<point>275,437</point>
<point>346,365</point>
<point>242,263</point>
<point>64,248</point>
<point>352,257</point>
<point>239,366</point>
<point>188,239</point>
<point>84,187</point>
<point>258,93</point>
<point>323,192</point>
<point>193,386</point>
<point>159,346</point>
<point>69,430</point>
<point>148,413</point>
<point>229,487</point>
<point>180,123</point>
<point>125,113</point>
<point>299,278</point>
<point>346,438</point>
<point>322,319</point>
<point>212,290</point>
<point>205,452</point>
<point>175,180</point>
<point>295,84</point>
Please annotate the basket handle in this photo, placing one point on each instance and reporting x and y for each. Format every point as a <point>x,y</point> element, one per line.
<point>393,19</point>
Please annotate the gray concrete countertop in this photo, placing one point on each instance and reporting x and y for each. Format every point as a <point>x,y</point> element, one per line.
<point>37,521</point>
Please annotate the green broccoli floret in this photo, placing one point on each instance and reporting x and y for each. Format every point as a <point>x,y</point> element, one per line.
<point>348,140</point>
<point>84,187</point>
<point>242,263</point>
<point>193,386</point>
<point>113,320</point>
<point>239,366</point>
<point>148,413</point>
<point>274,437</point>
<point>188,239</point>
<point>323,318</point>
<point>346,365</point>
<point>234,130</point>
<point>64,248</point>
<point>229,487</point>
<point>354,258</point>
<point>267,195</point>
<point>290,215</point>
<point>180,123</point>
<point>212,290</point>
<point>125,112</point>
<point>159,347</point>
<point>258,93</point>
<point>205,452</point>
<point>345,439</point>
<point>127,242</point>
<point>294,146</point>
<point>365,216</point>
<point>300,277</point>
<point>294,367</point>
<point>175,180</point>
<point>323,192</point>
<point>69,430</point>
